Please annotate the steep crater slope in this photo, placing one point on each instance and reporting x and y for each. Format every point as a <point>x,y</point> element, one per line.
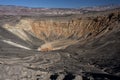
<point>42,47</point>
<point>59,34</point>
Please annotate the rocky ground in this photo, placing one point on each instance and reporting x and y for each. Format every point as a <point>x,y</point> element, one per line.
<point>95,55</point>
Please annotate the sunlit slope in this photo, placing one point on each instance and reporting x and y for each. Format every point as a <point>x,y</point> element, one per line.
<point>37,32</point>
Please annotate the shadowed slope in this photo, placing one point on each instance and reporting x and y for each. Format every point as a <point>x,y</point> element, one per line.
<point>70,47</point>
<point>37,32</point>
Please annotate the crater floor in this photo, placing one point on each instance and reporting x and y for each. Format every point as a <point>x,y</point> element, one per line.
<point>85,47</point>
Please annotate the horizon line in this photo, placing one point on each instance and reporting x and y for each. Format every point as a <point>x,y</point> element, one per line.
<point>60,7</point>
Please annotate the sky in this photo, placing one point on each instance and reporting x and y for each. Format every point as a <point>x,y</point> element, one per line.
<point>59,3</point>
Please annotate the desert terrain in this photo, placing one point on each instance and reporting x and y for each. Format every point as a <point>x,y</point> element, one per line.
<point>59,44</point>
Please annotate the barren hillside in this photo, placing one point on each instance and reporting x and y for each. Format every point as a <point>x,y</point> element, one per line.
<point>73,47</point>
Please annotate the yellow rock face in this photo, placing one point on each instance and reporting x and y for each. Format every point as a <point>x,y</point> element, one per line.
<point>58,34</point>
<point>50,30</point>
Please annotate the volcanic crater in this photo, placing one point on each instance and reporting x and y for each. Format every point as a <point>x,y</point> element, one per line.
<point>60,46</point>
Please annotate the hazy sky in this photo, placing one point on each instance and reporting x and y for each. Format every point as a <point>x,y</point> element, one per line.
<point>58,3</point>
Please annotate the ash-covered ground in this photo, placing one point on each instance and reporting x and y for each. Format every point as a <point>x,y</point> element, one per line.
<point>74,47</point>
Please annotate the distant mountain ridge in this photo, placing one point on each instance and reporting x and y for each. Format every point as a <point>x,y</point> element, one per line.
<point>102,8</point>
<point>21,10</point>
